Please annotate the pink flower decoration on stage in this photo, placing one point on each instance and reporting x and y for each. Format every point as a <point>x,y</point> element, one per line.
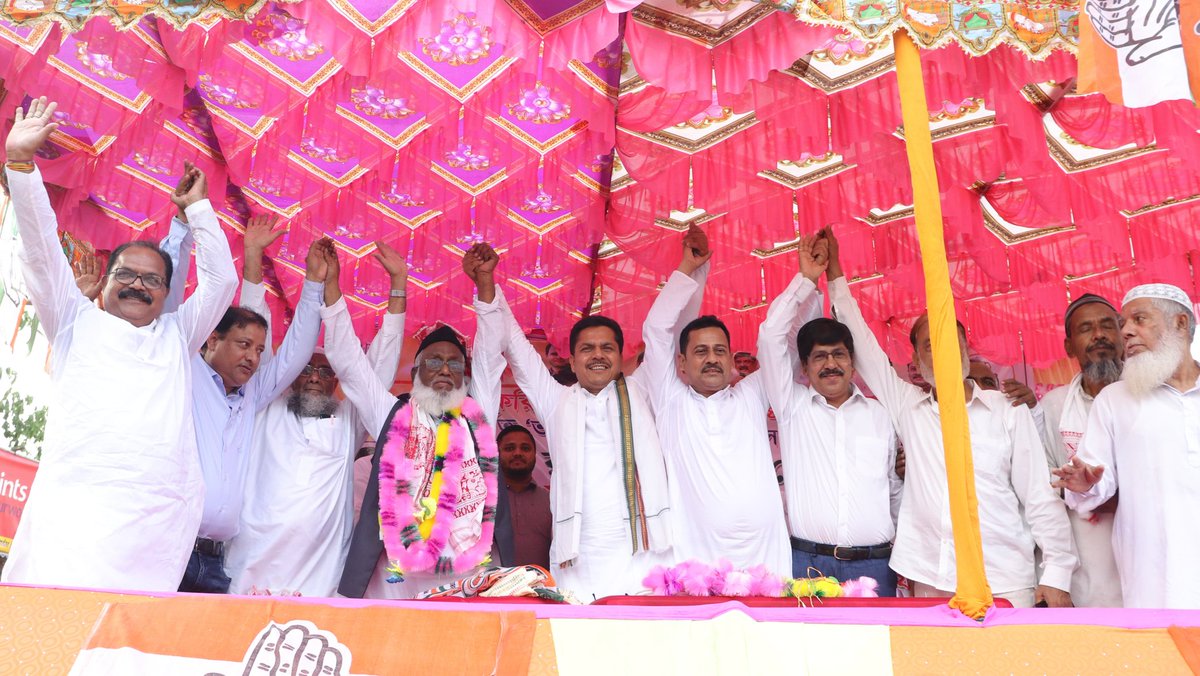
<point>464,157</point>
<point>376,103</point>
<point>461,41</point>
<point>100,64</point>
<point>284,36</point>
<point>541,203</point>
<point>310,147</point>
<point>537,105</point>
<point>224,95</point>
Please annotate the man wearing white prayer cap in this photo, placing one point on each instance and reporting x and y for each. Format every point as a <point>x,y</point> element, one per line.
<point>1143,439</point>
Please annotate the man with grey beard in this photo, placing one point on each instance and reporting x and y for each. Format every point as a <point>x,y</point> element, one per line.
<point>297,516</point>
<point>1143,439</point>
<point>1016,506</point>
<point>1094,341</point>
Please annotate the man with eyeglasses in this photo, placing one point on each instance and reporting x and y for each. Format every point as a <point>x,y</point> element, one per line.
<point>429,515</point>
<point>119,491</point>
<point>298,514</point>
<point>837,446</point>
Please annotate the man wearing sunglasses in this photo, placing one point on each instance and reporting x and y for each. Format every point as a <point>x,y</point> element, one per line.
<point>298,512</point>
<point>119,491</point>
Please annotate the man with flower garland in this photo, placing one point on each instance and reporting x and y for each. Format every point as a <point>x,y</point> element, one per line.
<point>838,447</point>
<point>608,492</point>
<point>429,513</point>
<point>297,516</point>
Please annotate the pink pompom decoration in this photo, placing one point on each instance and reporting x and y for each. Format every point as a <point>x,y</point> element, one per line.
<point>663,581</point>
<point>697,579</point>
<point>763,582</point>
<point>863,587</point>
<point>737,583</point>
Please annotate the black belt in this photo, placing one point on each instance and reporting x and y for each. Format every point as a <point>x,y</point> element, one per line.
<point>210,547</point>
<point>841,553</point>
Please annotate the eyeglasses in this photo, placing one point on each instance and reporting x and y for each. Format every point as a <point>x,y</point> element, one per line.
<point>323,372</point>
<point>434,364</point>
<point>149,279</point>
<point>842,356</point>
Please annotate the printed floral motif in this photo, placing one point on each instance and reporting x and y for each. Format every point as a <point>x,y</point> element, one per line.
<point>283,35</point>
<point>541,203</point>
<point>711,115</point>
<point>460,42</point>
<point>401,199</point>
<point>843,49</point>
<point>48,151</point>
<point>538,105</point>
<point>153,163</point>
<point>612,55</point>
<point>953,111</point>
<point>464,157</point>
<point>196,119</point>
<point>100,64</point>
<point>376,103</point>
<point>63,119</point>
<point>224,95</point>
<point>310,147</point>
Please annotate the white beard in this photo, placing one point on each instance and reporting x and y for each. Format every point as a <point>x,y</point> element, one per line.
<point>1151,368</point>
<point>309,405</point>
<point>433,402</point>
<point>927,370</point>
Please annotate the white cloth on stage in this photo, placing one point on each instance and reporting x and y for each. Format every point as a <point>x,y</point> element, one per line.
<point>1150,450</point>
<point>119,492</point>
<point>719,465</point>
<point>1096,583</point>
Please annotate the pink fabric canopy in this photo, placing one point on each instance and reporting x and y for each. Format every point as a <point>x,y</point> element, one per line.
<point>581,143</point>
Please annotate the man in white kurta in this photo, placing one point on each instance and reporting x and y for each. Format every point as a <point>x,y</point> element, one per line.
<point>297,516</point>
<point>597,549</point>
<point>837,446</point>
<point>714,435</point>
<point>119,491</point>
<point>1094,340</point>
<point>1016,506</point>
<point>1143,439</point>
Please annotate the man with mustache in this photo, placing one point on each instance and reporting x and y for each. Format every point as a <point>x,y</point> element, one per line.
<point>1143,439</point>
<point>1094,341</point>
<point>298,514</point>
<point>608,492</point>
<point>229,389</point>
<point>713,434</point>
<point>119,492</point>
<point>430,512</point>
<point>1016,506</point>
<point>529,503</point>
<point>838,446</point>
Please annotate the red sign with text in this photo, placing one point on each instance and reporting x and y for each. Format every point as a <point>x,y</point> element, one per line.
<point>16,477</point>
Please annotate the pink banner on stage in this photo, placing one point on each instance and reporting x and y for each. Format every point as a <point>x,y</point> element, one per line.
<point>16,477</point>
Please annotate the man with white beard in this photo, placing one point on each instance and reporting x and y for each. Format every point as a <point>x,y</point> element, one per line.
<point>1143,439</point>
<point>297,516</point>
<point>1016,506</point>
<point>1094,341</point>
<point>429,513</point>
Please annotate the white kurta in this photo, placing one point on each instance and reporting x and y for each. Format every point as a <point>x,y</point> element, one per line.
<point>1017,507</point>
<point>719,463</point>
<point>119,493</point>
<point>1096,583</point>
<point>1150,449</point>
<point>298,516</point>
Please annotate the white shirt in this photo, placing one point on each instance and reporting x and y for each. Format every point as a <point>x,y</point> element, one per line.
<point>1150,450</point>
<point>119,492</point>
<point>298,514</point>
<point>838,463</point>
<point>1096,583</point>
<point>719,465</point>
<point>225,422</point>
<point>1017,507</point>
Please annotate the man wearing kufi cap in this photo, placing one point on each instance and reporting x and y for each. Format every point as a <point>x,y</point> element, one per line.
<point>1143,439</point>
<point>1094,340</point>
<point>429,514</point>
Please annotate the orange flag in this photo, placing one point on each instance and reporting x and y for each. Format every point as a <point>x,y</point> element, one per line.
<point>1133,51</point>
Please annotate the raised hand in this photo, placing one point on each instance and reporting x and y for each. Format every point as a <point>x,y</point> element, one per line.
<point>392,261</point>
<point>192,187</point>
<point>470,263</point>
<point>316,261</point>
<point>88,271</point>
<point>833,268</point>
<point>814,257</point>
<point>1077,476</point>
<point>488,258</point>
<point>261,232</point>
<point>696,251</point>
<point>30,130</point>
<point>333,269</point>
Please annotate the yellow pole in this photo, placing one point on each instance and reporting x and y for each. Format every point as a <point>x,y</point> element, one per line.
<point>973,596</point>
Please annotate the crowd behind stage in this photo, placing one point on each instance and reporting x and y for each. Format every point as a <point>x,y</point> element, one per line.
<point>183,453</point>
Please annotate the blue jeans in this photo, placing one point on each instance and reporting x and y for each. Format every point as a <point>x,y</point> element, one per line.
<point>205,575</point>
<point>844,570</point>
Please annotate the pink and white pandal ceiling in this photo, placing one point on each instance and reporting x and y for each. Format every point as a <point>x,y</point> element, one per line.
<point>582,142</point>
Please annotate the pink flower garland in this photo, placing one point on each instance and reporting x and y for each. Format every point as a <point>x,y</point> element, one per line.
<point>395,500</point>
<point>693,578</point>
